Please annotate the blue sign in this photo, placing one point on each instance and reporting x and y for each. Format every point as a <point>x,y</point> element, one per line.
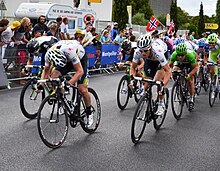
<point>36,61</point>
<point>110,53</point>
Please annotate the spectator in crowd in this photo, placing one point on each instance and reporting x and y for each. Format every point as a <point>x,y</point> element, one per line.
<point>114,31</point>
<point>27,35</point>
<point>19,34</point>
<point>41,26</point>
<point>64,30</point>
<point>6,36</point>
<point>130,32</point>
<point>119,38</point>
<point>192,36</point>
<point>79,36</point>
<point>3,26</point>
<point>93,31</point>
<point>132,38</point>
<point>59,21</point>
<point>87,41</point>
<point>108,28</point>
<point>105,38</point>
<point>53,30</point>
<point>98,46</point>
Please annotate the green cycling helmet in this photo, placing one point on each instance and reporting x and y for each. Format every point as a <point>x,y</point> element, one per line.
<point>181,49</point>
<point>212,38</point>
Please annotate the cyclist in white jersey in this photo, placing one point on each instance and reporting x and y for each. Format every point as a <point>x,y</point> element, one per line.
<point>66,56</point>
<point>155,63</point>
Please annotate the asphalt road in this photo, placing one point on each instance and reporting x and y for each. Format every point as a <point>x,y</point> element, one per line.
<point>192,143</point>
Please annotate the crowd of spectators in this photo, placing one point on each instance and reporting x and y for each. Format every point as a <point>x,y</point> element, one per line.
<point>15,35</point>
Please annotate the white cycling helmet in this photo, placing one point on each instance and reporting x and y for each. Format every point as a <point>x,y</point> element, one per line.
<point>56,57</point>
<point>80,51</point>
<point>144,41</point>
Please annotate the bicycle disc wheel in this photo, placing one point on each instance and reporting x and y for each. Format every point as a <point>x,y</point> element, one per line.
<point>139,91</point>
<point>123,93</point>
<point>158,121</point>
<point>52,122</point>
<point>96,112</point>
<point>30,100</point>
<point>177,101</point>
<point>140,119</point>
<point>212,95</point>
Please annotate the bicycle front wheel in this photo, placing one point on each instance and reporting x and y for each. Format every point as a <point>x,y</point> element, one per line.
<point>212,95</point>
<point>177,100</point>
<point>95,112</point>
<point>140,119</point>
<point>30,100</point>
<point>158,121</point>
<point>52,122</point>
<point>123,93</point>
<point>139,91</point>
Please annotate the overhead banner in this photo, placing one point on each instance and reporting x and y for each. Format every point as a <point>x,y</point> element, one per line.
<point>96,1</point>
<point>212,26</point>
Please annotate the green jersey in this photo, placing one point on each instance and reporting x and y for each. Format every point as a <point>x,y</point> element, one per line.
<point>190,57</point>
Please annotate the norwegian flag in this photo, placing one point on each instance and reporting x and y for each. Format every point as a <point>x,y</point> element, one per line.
<point>172,25</point>
<point>152,25</point>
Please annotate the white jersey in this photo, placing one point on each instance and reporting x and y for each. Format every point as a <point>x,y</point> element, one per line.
<point>158,51</point>
<point>68,48</point>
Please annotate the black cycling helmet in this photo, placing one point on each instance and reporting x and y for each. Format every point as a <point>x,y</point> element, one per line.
<point>48,44</point>
<point>32,46</point>
<point>126,45</point>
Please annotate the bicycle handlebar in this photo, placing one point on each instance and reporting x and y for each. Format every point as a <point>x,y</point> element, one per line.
<point>149,81</point>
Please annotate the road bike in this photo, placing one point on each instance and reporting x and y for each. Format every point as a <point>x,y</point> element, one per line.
<point>180,92</point>
<point>214,89</point>
<point>202,78</point>
<point>124,92</point>
<point>30,100</point>
<point>61,108</point>
<point>146,110</point>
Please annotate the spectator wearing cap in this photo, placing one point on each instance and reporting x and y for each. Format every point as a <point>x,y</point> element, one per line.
<point>79,36</point>
<point>6,37</point>
<point>40,26</point>
<point>19,34</point>
<point>64,30</point>
<point>114,31</point>
<point>87,41</point>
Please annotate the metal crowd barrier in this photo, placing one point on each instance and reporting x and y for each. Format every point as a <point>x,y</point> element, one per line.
<point>101,59</point>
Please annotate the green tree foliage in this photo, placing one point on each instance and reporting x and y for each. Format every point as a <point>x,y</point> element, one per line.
<point>162,19</point>
<point>174,14</point>
<point>201,25</point>
<point>139,19</point>
<point>119,13</point>
<point>141,6</point>
<point>218,14</point>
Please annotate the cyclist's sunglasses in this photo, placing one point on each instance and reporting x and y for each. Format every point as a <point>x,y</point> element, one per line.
<point>181,55</point>
<point>144,51</point>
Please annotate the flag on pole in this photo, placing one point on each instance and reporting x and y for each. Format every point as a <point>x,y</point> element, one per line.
<point>171,27</point>
<point>153,23</point>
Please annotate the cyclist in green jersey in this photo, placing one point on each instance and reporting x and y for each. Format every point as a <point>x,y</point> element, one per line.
<point>181,58</point>
<point>214,51</point>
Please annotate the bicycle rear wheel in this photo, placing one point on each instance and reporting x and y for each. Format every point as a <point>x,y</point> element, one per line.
<point>123,93</point>
<point>177,100</point>
<point>140,119</point>
<point>52,122</point>
<point>30,100</point>
<point>96,112</point>
<point>158,121</point>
